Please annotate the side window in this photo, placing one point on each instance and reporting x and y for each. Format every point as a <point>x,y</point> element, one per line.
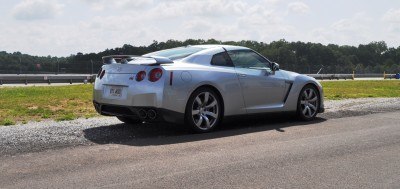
<point>221,59</point>
<point>248,59</point>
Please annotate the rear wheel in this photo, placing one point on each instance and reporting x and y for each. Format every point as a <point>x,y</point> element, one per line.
<point>129,120</point>
<point>308,103</point>
<point>203,110</point>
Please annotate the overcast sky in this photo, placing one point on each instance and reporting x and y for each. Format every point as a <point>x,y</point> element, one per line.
<point>64,27</point>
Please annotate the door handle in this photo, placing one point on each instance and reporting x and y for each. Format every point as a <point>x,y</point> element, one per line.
<point>242,75</point>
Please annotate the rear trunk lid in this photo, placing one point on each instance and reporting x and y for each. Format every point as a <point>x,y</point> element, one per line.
<point>122,69</point>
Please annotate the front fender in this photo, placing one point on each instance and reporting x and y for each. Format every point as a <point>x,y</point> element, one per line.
<point>299,82</point>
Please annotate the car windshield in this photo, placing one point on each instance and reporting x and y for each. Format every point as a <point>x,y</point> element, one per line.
<point>176,53</point>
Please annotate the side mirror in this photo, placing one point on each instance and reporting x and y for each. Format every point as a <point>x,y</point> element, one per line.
<point>275,66</point>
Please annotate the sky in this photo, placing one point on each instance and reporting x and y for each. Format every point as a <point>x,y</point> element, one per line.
<point>65,27</point>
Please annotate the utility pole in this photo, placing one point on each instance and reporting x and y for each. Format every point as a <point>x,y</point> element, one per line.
<point>322,66</point>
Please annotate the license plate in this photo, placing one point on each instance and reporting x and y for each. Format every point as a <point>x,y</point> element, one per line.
<point>115,92</point>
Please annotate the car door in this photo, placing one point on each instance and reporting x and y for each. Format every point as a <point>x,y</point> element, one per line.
<point>263,90</point>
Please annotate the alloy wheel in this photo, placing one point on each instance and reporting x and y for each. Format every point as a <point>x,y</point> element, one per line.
<point>205,111</point>
<point>309,103</point>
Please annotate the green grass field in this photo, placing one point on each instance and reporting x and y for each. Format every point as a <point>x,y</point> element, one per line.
<point>22,104</point>
<point>361,89</point>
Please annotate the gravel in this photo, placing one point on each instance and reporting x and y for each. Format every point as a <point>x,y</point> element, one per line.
<point>40,136</point>
<point>357,107</point>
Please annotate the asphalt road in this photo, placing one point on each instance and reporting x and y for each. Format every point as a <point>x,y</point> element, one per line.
<point>350,152</point>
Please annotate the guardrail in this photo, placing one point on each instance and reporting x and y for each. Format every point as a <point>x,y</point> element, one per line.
<point>351,76</point>
<point>332,76</point>
<point>45,78</point>
<point>389,76</point>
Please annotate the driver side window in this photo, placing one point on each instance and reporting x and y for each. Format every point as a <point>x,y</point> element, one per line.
<point>248,59</point>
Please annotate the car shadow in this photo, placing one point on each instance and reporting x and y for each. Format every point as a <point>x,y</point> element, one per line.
<point>148,134</point>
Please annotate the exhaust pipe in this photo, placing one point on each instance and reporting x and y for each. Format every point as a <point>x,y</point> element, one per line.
<point>142,114</point>
<point>152,114</point>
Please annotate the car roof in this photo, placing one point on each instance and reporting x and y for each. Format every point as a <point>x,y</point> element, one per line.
<point>227,47</point>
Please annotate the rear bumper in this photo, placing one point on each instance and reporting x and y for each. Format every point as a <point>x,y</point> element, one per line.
<point>144,113</point>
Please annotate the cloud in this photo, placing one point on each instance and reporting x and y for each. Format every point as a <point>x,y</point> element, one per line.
<point>188,8</point>
<point>140,22</point>
<point>392,16</point>
<point>273,2</point>
<point>130,5</point>
<point>36,9</point>
<point>298,7</point>
<point>354,30</point>
<point>359,23</point>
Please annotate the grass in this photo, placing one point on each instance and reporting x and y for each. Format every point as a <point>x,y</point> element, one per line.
<point>361,89</point>
<point>7,121</point>
<point>23,104</point>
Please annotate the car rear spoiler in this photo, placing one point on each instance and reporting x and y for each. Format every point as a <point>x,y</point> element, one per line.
<point>133,59</point>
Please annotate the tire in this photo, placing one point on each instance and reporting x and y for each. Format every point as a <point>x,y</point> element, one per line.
<point>308,103</point>
<point>129,120</point>
<point>203,110</point>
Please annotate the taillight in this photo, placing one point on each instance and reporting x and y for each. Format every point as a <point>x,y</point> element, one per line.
<point>155,74</point>
<point>140,76</point>
<point>98,74</point>
<point>102,74</point>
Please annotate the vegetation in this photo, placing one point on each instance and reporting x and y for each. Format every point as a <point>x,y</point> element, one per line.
<point>374,57</point>
<point>361,89</point>
<point>22,104</point>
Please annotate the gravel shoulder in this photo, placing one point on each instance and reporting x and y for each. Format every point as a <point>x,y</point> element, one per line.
<point>40,136</point>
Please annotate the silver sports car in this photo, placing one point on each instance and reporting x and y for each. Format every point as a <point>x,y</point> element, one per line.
<point>200,85</point>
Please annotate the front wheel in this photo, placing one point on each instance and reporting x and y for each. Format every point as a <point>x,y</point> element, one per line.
<point>129,120</point>
<point>308,103</point>
<point>203,110</point>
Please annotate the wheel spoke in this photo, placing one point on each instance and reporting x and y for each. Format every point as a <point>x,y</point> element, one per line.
<point>206,97</point>
<point>198,101</point>
<point>310,94</point>
<point>312,107</point>
<point>303,102</point>
<point>200,121</point>
<point>213,103</point>
<point>309,111</point>
<point>314,99</point>
<point>305,111</point>
<point>195,112</point>
<point>305,95</point>
<point>211,114</point>
<point>207,121</point>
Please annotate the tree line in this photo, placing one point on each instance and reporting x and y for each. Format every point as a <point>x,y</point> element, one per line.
<point>375,57</point>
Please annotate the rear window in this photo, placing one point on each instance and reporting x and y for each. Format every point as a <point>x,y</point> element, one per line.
<point>176,53</point>
<point>221,59</point>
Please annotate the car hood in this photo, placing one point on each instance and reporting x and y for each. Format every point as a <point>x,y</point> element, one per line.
<point>291,76</point>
